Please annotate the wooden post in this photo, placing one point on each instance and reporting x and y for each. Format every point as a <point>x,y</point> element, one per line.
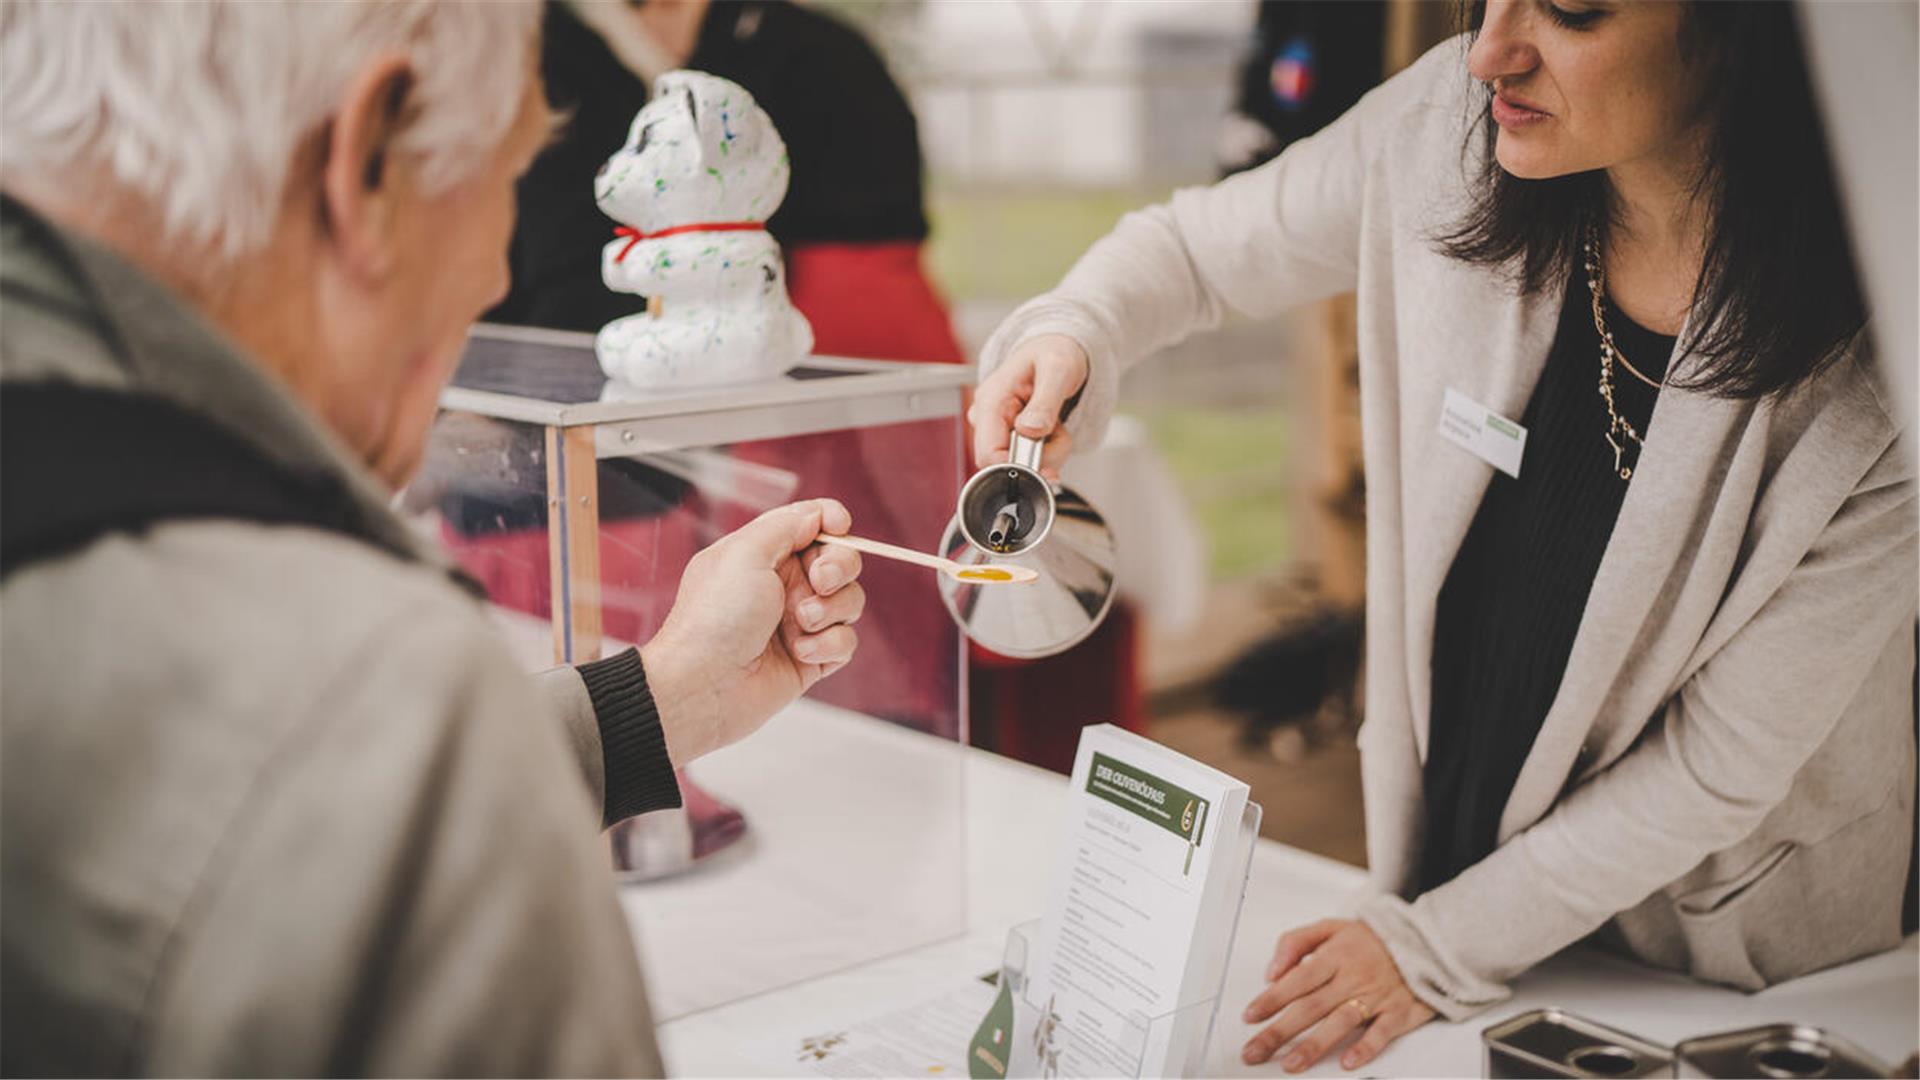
<point>573,543</point>
<point>1336,523</point>
<point>1413,27</point>
<point>1339,484</point>
<point>1328,464</point>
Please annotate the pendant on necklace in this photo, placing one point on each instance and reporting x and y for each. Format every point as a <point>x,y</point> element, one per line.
<point>1619,449</point>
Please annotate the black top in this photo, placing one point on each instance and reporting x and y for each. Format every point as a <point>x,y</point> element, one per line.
<point>850,135</point>
<point>849,130</point>
<point>554,256</point>
<point>1514,598</point>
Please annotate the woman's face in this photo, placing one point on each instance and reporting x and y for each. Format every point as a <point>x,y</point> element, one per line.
<point>1587,84</point>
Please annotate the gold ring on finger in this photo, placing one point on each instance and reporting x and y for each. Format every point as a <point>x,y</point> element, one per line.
<point>1366,1014</point>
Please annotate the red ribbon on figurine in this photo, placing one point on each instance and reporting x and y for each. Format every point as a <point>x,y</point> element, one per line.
<point>634,236</point>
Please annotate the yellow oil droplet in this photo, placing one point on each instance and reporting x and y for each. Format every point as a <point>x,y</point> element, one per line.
<point>986,574</point>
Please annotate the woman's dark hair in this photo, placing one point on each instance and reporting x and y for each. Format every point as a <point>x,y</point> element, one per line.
<point>1777,298</point>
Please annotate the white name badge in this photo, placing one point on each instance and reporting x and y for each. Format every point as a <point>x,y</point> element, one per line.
<point>1491,437</point>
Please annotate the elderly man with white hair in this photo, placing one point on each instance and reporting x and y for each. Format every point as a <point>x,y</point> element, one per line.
<point>274,799</point>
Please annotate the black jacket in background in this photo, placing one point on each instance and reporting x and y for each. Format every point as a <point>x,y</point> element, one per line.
<point>851,134</point>
<point>1342,42</point>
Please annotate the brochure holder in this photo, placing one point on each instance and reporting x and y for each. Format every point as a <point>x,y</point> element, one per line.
<point>1172,1044</point>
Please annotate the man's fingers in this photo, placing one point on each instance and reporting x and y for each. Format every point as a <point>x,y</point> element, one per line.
<point>830,567</point>
<point>834,518</point>
<point>834,645</point>
<point>816,613</point>
<point>783,530</point>
<point>807,614</point>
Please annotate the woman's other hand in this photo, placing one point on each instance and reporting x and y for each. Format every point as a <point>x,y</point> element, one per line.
<point>1026,392</point>
<point>1326,981</point>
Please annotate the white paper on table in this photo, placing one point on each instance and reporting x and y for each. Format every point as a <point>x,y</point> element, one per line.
<point>928,1040</point>
<point>1146,883</point>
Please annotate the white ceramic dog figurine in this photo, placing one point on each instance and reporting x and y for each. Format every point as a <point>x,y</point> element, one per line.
<point>702,170</point>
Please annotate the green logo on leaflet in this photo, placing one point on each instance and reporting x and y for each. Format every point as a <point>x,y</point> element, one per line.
<point>1169,806</point>
<point>988,1057</point>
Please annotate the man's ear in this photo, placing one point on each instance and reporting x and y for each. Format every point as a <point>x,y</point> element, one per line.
<point>360,183</point>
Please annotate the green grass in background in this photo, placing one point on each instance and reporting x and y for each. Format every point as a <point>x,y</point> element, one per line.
<point>1232,463</point>
<point>999,244</point>
<point>1004,246</point>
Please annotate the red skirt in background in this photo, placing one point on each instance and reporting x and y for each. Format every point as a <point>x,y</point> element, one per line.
<point>871,301</point>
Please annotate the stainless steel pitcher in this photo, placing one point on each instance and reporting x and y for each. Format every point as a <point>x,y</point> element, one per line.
<point>1009,513</point>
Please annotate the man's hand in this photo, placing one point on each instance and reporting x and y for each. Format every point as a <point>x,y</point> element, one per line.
<point>1327,981</point>
<point>760,616</point>
<point>1026,392</point>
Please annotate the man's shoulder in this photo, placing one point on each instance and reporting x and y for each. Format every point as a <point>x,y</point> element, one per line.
<point>233,753</point>
<point>255,613</point>
<point>164,690</point>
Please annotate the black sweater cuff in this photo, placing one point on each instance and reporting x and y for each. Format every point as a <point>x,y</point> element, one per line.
<point>633,748</point>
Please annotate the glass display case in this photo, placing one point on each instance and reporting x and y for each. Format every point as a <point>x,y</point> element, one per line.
<point>577,504</point>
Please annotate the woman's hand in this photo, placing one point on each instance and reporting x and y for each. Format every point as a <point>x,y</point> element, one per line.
<point>1026,392</point>
<point>1325,981</point>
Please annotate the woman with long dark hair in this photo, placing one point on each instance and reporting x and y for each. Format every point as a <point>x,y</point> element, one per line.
<point>1641,550</point>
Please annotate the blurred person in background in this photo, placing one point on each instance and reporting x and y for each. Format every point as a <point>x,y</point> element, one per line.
<point>852,231</point>
<point>275,798</point>
<point>853,224</point>
<point>1646,672</point>
<point>1311,61</point>
<point>853,228</point>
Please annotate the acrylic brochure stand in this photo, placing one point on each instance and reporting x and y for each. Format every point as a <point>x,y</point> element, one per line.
<point>1171,1044</point>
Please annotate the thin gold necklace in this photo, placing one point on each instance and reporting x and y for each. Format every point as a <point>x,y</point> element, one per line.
<point>1618,428</point>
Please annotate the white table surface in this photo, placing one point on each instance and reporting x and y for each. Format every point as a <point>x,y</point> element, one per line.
<point>853,851</point>
<point>1013,824</point>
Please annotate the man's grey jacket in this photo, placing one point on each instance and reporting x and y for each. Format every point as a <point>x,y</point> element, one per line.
<point>274,799</point>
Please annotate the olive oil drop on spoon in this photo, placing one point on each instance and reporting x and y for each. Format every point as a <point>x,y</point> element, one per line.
<point>972,575</point>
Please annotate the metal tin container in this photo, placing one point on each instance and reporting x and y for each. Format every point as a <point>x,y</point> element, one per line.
<point>1777,1051</point>
<point>1552,1043</point>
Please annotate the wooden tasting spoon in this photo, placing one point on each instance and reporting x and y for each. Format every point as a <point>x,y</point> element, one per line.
<point>972,575</point>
